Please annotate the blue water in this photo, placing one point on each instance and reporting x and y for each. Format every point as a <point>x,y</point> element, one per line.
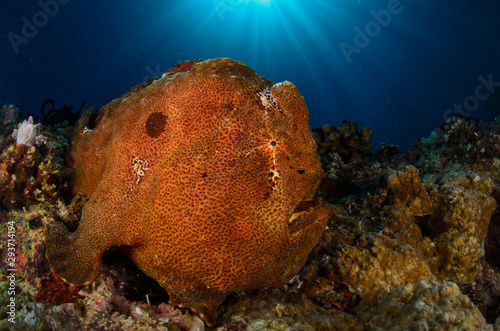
<point>400,76</point>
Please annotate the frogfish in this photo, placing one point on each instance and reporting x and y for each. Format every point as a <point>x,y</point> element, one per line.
<point>206,179</point>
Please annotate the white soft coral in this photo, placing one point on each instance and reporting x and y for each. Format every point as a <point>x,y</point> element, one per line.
<point>27,132</point>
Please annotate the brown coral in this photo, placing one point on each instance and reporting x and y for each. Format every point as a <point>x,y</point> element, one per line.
<point>462,211</point>
<point>424,306</point>
<point>373,253</point>
<point>404,230</point>
<point>346,140</point>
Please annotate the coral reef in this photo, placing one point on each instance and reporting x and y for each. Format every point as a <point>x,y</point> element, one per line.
<point>419,306</point>
<point>54,290</point>
<point>346,140</point>
<point>424,306</point>
<point>462,211</point>
<point>485,291</point>
<point>9,114</point>
<point>396,227</point>
<point>495,133</point>
<point>32,174</point>
<point>17,172</point>
<point>461,139</point>
<point>373,243</point>
<point>345,158</point>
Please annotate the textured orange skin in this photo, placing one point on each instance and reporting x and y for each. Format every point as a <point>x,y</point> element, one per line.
<point>197,176</point>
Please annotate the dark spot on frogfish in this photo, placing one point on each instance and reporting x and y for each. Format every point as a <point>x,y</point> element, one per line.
<point>155,125</point>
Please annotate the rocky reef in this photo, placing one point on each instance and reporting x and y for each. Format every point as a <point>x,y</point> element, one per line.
<point>346,140</point>
<point>414,243</point>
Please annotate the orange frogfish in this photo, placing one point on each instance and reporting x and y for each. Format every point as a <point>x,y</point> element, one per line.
<point>205,177</point>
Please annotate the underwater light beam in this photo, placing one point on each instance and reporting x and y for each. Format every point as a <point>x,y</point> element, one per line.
<point>259,2</point>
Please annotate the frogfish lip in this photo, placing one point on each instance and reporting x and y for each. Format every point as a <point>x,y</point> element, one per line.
<point>303,207</point>
<point>301,216</point>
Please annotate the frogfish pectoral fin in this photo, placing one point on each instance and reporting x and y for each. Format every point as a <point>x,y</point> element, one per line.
<point>71,257</point>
